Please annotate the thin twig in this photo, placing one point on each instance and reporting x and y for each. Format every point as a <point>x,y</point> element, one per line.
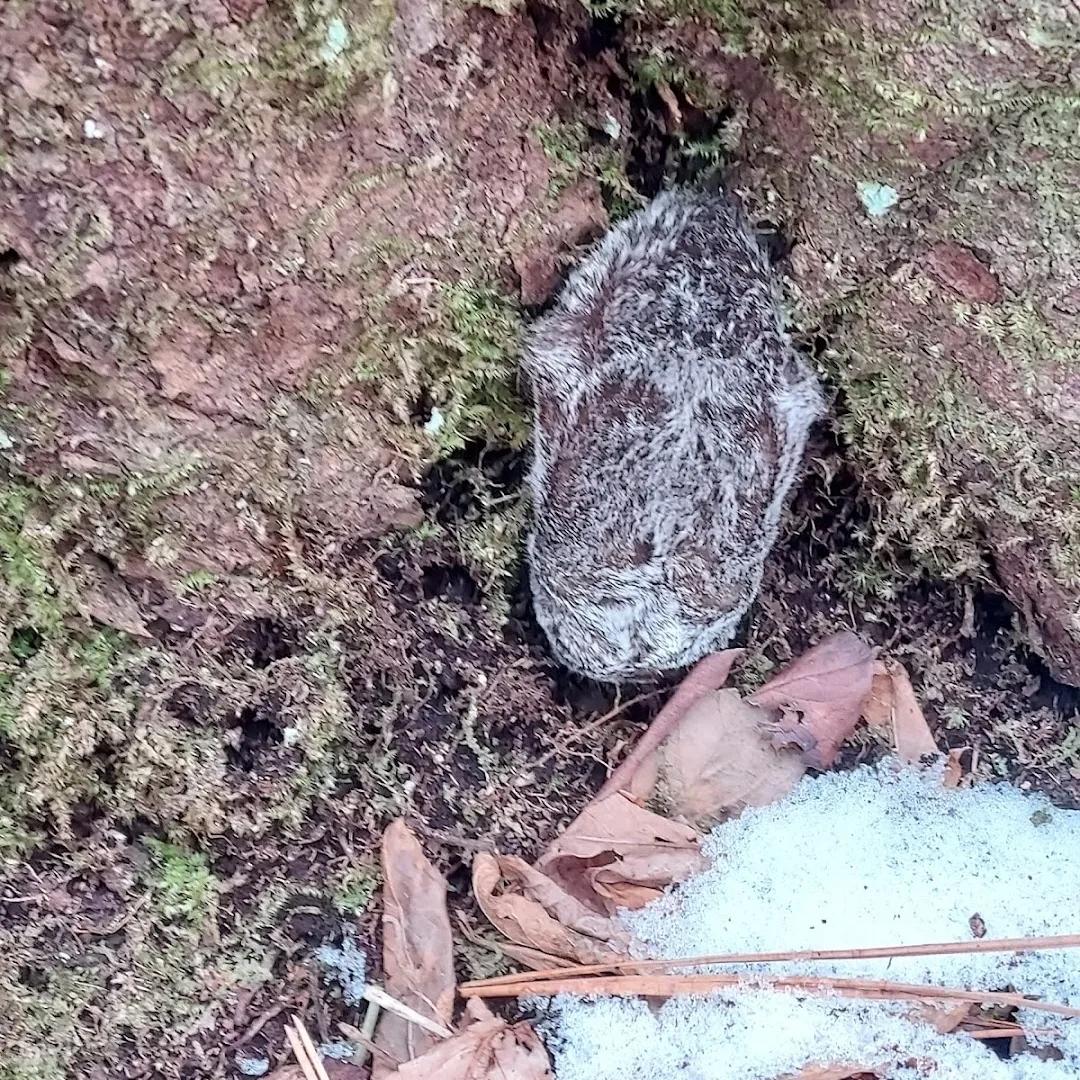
<point>367,1046</point>
<point>381,998</point>
<point>452,839</point>
<point>371,1020</point>
<point>666,986</point>
<point>945,948</point>
<point>300,1053</point>
<point>1008,1031</point>
<point>590,728</point>
<point>309,1046</point>
<point>257,1025</point>
<point>364,1038</point>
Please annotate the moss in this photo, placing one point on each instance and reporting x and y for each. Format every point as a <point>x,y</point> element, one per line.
<point>462,361</point>
<point>566,148</point>
<point>48,1021</point>
<point>317,51</point>
<point>198,581</point>
<point>334,44</point>
<point>492,549</point>
<point>575,155</point>
<point>355,889</point>
<point>180,882</point>
<point>945,415</point>
<point>29,595</point>
<point>473,368</point>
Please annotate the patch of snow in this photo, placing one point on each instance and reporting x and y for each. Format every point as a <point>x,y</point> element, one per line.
<point>339,1050</point>
<point>252,1066</point>
<point>336,40</point>
<point>872,857</point>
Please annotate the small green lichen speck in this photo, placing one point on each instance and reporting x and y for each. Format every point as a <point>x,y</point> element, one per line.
<point>336,40</point>
<point>878,199</point>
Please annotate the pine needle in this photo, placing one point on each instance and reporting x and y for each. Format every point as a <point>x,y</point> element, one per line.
<point>946,948</point>
<point>667,986</point>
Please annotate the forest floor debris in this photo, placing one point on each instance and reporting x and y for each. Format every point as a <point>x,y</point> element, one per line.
<point>782,908</point>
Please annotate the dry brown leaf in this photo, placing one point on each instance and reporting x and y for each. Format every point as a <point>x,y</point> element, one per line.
<point>532,910</point>
<point>418,956</point>
<point>943,1018</point>
<point>820,696</point>
<point>618,854</point>
<point>706,676</point>
<point>954,769</point>
<point>719,760</point>
<point>488,1049</point>
<point>834,1072</point>
<point>892,709</point>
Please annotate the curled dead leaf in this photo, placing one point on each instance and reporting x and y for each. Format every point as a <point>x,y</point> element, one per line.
<point>820,696</point>
<point>531,910</point>
<point>618,854</point>
<point>418,956</point>
<point>892,710</point>
<point>488,1049</point>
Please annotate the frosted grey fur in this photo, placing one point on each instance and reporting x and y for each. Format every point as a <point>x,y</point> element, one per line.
<point>671,419</point>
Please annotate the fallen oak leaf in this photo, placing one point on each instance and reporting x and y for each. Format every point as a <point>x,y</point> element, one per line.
<point>616,854</point>
<point>892,709</point>
<point>531,910</point>
<point>418,956</point>
<point>488,1049</point>
<point>821,696</point>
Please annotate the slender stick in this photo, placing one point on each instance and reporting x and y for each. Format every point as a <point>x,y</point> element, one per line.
<point>591,726</point>
<point>944,948</point>
<point>309,1046</point>
<point>391,1004</point>
<point>300,1053</point>
<point>666,986</point>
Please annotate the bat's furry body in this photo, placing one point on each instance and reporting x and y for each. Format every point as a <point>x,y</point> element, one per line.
<point>671,418</point>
